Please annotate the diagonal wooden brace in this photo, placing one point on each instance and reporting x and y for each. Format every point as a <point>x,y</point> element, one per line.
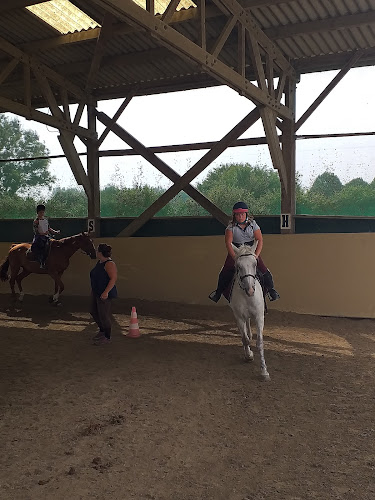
<point>66,142</point>
<point>182,182</point>
<point>162,167</point>
<point>269,124</point>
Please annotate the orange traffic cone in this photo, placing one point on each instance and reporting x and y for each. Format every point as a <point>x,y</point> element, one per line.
<point>134,327</point>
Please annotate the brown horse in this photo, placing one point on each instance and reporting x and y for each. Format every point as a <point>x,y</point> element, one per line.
<point>58,260</point>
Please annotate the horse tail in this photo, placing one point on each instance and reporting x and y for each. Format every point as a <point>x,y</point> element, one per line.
<point>4,270</point>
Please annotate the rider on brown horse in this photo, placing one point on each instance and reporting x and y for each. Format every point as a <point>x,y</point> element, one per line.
<point>42,231</point>
<point>59,256</point>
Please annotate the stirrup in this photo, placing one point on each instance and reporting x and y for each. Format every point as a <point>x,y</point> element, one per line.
<point>273,295</point>
<point>213,296</point>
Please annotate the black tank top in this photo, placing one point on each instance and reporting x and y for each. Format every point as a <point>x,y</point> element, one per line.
<point>100,279</point>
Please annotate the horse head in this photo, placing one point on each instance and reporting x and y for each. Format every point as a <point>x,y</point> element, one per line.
<point>246,267</point>
<point>86,244</point>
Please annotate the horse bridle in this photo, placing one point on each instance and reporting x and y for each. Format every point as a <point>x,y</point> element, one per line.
<point>246,275</point>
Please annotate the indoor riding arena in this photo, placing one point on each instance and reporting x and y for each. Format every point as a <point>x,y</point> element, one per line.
<point>177,413</point>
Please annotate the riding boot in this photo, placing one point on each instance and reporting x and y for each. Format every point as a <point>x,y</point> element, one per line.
<point>269,286</point>
<point>225,277</point>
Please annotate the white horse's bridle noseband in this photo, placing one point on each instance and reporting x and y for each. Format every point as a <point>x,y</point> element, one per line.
<point>246,275</point>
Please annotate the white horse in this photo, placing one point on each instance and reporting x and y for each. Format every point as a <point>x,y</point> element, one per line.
<point>247,302</point>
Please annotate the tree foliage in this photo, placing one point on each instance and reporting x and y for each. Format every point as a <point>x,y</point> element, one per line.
<point>257,185</point>
<point>16,142</point>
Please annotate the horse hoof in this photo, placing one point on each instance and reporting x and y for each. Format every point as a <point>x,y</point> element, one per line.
<point>266,378</point>
<point>249,355</point>
<point>57,304</point>
<point>50,299</point>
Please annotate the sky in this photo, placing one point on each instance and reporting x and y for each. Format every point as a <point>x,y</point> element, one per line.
<point>208,114</point>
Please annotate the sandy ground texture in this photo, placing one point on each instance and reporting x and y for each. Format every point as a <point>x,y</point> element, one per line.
<point>177,414</point>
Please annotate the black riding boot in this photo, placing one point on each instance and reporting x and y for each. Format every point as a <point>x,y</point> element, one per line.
<point>225,277</point>
<point>269,286</point>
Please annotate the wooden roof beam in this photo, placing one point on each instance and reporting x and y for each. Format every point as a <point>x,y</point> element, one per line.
<point>124,29</point>
<point>331,24</point>
<point>186,48</point>
<point>333,61</point>
<point>289,30</point>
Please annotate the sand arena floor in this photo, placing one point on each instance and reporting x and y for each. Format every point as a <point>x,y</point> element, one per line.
<point>177,414</point>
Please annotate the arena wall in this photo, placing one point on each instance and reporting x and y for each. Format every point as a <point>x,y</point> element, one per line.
<point>321,274</point>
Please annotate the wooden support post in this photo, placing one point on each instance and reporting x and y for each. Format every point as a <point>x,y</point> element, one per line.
<point>241,65</point>
<point>202,39</point>
<point>93,173</point>
<point>288,141</point>
<point>150,6</point>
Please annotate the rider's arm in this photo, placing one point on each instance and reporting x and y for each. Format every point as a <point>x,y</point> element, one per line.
<point>35,226</point>
<point>228,242</point>
<point>259,237</point>
<point>111,270</point>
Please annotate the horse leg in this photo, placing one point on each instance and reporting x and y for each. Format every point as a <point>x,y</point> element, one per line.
<point>243,327</point>
<point>249,355</point>
<point>14,270</point>
<point>59,288</point>
<point>260,347</point>
<point>19,279</point>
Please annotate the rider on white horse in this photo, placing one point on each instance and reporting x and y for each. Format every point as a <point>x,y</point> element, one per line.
<point>243,230</point>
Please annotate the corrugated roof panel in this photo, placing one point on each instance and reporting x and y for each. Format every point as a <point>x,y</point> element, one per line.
<point>272,12</point>
<point>347,37</point>
<point>261,17</point>
<point>312,10</point>
<point>330,42</point>
<point>312,47</point>
<point>293,51</point>
<point>358,37</point>
<point>23,27</point>
<point>341,8</point>
<point>300,14</point>
<point>339,40</point>
<point>63,16</point>
<point>303,46</point>
<point>368,35</point>
<point>20,27</point>
<point>323,9</point>
<point>161,5</point>
<point>320,42</point>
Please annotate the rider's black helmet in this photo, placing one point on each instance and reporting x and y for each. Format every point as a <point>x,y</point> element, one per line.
<point>39,208</point>
<point>240,207</point>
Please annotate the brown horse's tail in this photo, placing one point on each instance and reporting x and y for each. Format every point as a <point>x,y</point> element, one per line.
<point>4,270</point>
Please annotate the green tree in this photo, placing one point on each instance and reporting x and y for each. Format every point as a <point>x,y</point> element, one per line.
<point>16,142</point>
<point>326,184</point>
<point>257,185</point>
<point>357,182</point>
<point>67,202</point>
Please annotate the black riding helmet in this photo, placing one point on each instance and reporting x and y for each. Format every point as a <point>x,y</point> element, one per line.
<point>240,207</point>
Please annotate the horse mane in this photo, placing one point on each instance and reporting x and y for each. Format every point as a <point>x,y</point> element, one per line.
<point>245,249</point>
<point>67,239</point>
